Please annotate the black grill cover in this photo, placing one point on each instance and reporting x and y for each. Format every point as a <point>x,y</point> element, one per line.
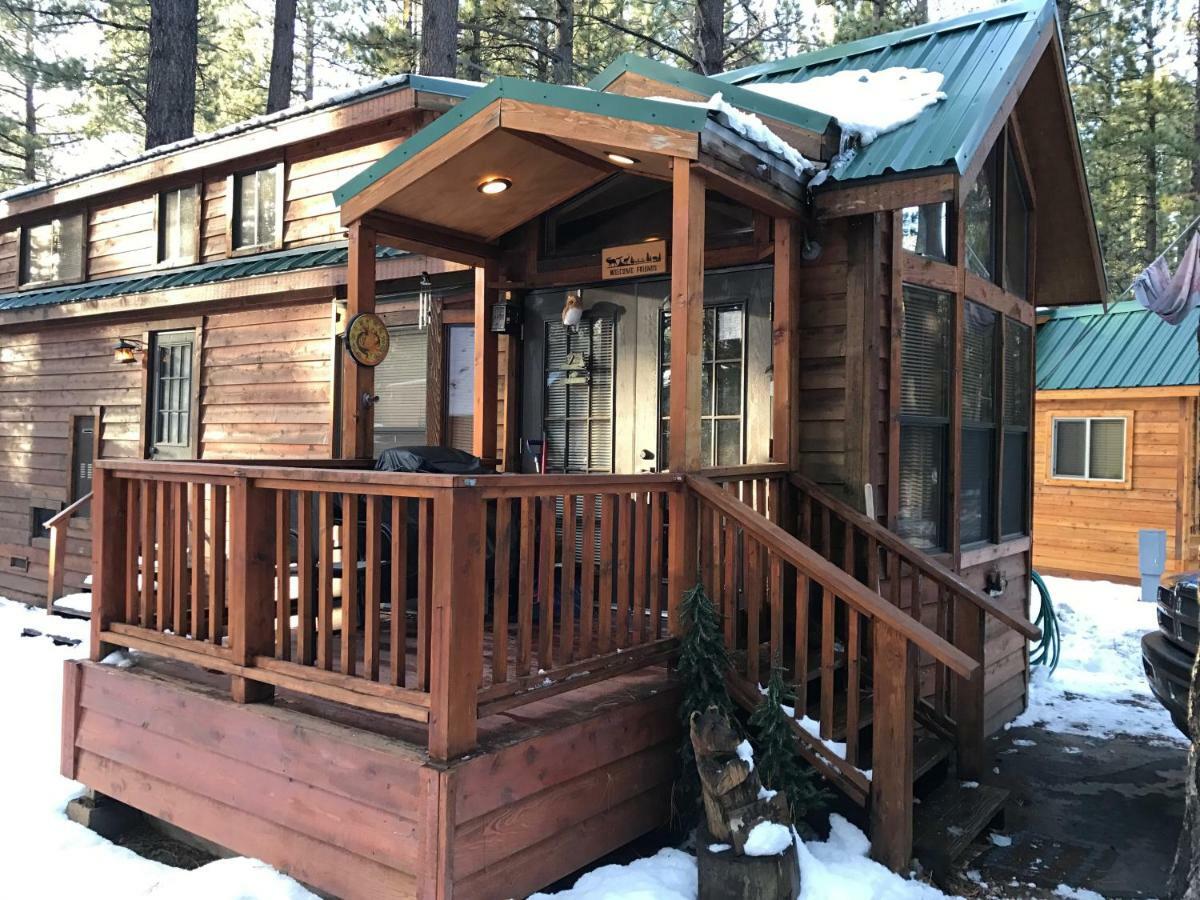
<point>433,460</point>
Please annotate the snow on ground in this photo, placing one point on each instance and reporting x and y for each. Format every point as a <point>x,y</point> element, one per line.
<point>1099,688</point>
<point>42,853</point>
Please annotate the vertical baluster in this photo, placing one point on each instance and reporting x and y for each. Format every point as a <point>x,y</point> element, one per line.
<point>897,584</point>
<point>372,587</point>
<point>219,550</point>
<point>732,568</point>
<point>566,640</point>
<point>776,590</point>
<point>826,533</point>
<point>828,601</point>
<point>656,563</point>
<point>196,553</point>
<point>608,511</point>
<point>132,550</point>
<point>180,561</point>
<point>349,583</point>
<point>754,602</point>
<point>525,599</point>
<point>641,540</point>
<point>398,594</point>
<point>546,586</point>
<point>940,674</point>
<point>325,584</point>
<point>587,576</point>
<point>163,581</point>
<point>704,541</point>
<point>306,636</point>
<point>624,552</point>
<point>848,555</point>
<point>424,564</point>
<point>873,564</point>
<point>283,576</point>
<point>501,573</point>
<point>715,584</point>
<point>915,593</point>
<point>800,665</point>
<point>852,684</point>
<point>805,526</point>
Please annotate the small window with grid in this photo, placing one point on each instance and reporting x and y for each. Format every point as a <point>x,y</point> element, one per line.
<point>171,394</point>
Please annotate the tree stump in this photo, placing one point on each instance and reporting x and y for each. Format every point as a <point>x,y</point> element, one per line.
<point>734,804</point>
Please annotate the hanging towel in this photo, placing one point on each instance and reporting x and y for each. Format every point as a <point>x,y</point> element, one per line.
<point>1172,296</point>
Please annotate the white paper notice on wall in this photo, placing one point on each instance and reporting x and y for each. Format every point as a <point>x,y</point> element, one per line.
<point>460,372</point>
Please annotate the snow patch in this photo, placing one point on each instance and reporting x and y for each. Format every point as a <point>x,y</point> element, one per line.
<point>718,848</point>
<point>746,753</point>
<point>668,875</point>
<point>79,603</point>
<point>751,127</point>
<point>767,839</point>
<point>1072,893</point>
<point>118,659</point>
<point>1000,840</point>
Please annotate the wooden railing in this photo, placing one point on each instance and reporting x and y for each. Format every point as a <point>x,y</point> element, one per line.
<point>775,592</point>
<point>933,595</point>
<point>764,487</point>
<point>59,526</point>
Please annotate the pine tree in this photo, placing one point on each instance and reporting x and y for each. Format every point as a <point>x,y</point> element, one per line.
<point>779,764</point>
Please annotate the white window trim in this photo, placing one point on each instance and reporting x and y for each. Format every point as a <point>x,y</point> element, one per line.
<point>1087,448</point>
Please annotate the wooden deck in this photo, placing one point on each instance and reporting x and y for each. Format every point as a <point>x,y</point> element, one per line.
<point>347,800</point>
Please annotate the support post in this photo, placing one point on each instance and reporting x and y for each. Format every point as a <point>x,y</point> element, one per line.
<point>687,322</point>
<point>251,597</point>
<point>967,695</point>
<point>358,381</point>
<point>785,356</point>
<point>895,679</point>
<point>483,439</point>
<point>456,622</point>
<point>110,522</point>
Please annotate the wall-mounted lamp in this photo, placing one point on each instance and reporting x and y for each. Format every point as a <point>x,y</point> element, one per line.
<point>127,350</point>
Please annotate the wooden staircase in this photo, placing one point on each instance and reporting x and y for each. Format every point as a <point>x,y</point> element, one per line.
<point>882,647</point>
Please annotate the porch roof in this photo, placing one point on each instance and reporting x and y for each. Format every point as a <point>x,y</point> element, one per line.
<point>551,142</point>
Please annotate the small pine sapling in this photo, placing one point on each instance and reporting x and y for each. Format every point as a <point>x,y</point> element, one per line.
<point>780,765</point>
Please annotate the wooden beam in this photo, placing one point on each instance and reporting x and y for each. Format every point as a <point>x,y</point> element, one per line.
<point>620,134</point>
<point>895,668</point>
<point>885,195</point>
<point>110,524</point>
<point>432,240</point>
<point>251,584</point>
<point>785,338</point>
<point>483,440</point>
<point>358,382</point>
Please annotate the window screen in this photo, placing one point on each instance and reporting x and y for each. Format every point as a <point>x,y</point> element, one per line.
<point>400,382</point>
<point>256,208</point>
<point>980,346</point>
<point>925,417</point>
<point>924,230</point>
<point>979,214</point>
<point>1016,229</point>
<point>53,251</point>
<point>1091,449</point>
<point>177,225</point>
<point>1017,395</point>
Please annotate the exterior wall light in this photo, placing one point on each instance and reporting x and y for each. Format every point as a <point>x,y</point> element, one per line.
<point>127,350</point>
<point>494,185</point>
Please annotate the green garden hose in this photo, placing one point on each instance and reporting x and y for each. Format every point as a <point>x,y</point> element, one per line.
<point>1046,650</point>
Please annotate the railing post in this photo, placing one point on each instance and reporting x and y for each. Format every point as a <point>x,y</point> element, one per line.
<point>58,553</point>
<point>682,556</point>
<point>456,622</point>
<point>968,694</point>
<point>251,597</point>
<point>895,678</point>
<point>109,525</point>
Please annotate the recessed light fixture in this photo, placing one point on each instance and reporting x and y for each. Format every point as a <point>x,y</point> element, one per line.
<point>494,185</point>
<point>621,159</point>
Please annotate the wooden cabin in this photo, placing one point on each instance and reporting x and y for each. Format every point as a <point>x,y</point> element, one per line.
<point>688,360</point>
<point>1116,436</point>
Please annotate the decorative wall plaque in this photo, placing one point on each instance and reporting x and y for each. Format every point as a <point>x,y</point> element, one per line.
<point>633,260</point>
<point>367,339</point>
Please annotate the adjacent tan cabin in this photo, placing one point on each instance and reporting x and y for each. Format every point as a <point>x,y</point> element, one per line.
<point>1116,438</point>
<point>677,356</point>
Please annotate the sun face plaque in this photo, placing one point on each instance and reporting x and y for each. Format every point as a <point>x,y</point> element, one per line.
<point>367,339</point>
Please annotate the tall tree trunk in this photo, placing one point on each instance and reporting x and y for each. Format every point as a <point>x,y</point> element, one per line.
<point>439,37</point>
<point>564,48</point>
<point>310,49</point>
<point>171,80</point>
<point>473,54</point>
<point>1185,873</point>
<point>1196,120</point>
<point>29,138</point>
<point>1064,24</point>
<point>283,56</point>
<point>710,36</point>
<point>1149,73</point>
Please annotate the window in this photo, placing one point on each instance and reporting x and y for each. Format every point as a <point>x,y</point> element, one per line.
<point>53,251</point>
<point>1016,228</point>
<point>722,385</point>
<point>1089,449</point>
<point>171,394</point>
<point>178,226</point>
<point>980,345</point>
<point>924,418</point>
<point>577,406</point>
<point>256,220</point>
<point>400,384</point>
<point>460,387</point>
<point>925,230</point>
<point>1017,407</point>
<point>979,215</point>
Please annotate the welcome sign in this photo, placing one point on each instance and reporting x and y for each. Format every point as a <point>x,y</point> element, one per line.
<point>632,260</point>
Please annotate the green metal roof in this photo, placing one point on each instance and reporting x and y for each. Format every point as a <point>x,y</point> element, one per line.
<point>981,56</point>
<point>684,117</point>
<point>1127,347</point>
<point>750,101</point>
<point>332,254</point>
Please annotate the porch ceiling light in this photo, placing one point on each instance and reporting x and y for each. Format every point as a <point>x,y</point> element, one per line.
<point>494,185</point>
<point>621,159</point>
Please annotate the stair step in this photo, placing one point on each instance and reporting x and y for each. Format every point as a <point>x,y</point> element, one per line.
<point>929,750</point>
<point>949,820</point>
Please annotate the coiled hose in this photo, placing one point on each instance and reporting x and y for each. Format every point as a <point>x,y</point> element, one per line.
<point>1046,651</point>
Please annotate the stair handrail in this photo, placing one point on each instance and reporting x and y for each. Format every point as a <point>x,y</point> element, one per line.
<point>858,595</point>
<point>928,566</point>
<point>57,525</point>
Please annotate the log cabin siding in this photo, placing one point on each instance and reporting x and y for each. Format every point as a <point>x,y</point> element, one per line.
<point>8,260</point>
<point>1091,531</point>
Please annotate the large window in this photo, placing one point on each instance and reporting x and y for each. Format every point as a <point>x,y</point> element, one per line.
<point>53,251</point>
<point>924,418</point>
<point>722,385</point>
<point>1089,449</point>
<point>996,221</point>
<point>979,221</point>
<point>1017,409</point>
<point>178,226</point>
<point>926,230</point>
<point>1016,227</point>
<point>256,219</point>
<point>976,483</point>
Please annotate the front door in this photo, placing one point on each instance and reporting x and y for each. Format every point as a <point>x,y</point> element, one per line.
<point>597,395</point>
<point>172,395</point>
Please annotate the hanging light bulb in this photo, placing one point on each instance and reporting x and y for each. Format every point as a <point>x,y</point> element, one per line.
<point>424,301</point>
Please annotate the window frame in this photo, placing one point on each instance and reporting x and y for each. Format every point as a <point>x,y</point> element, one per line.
<point>160,258</point>
<point>149,409</point>
<point>23,235</point>
<point>233,209</point>
<point>1125,416</point>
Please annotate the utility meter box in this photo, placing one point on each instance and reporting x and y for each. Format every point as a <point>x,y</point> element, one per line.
<point>1152,560</point>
